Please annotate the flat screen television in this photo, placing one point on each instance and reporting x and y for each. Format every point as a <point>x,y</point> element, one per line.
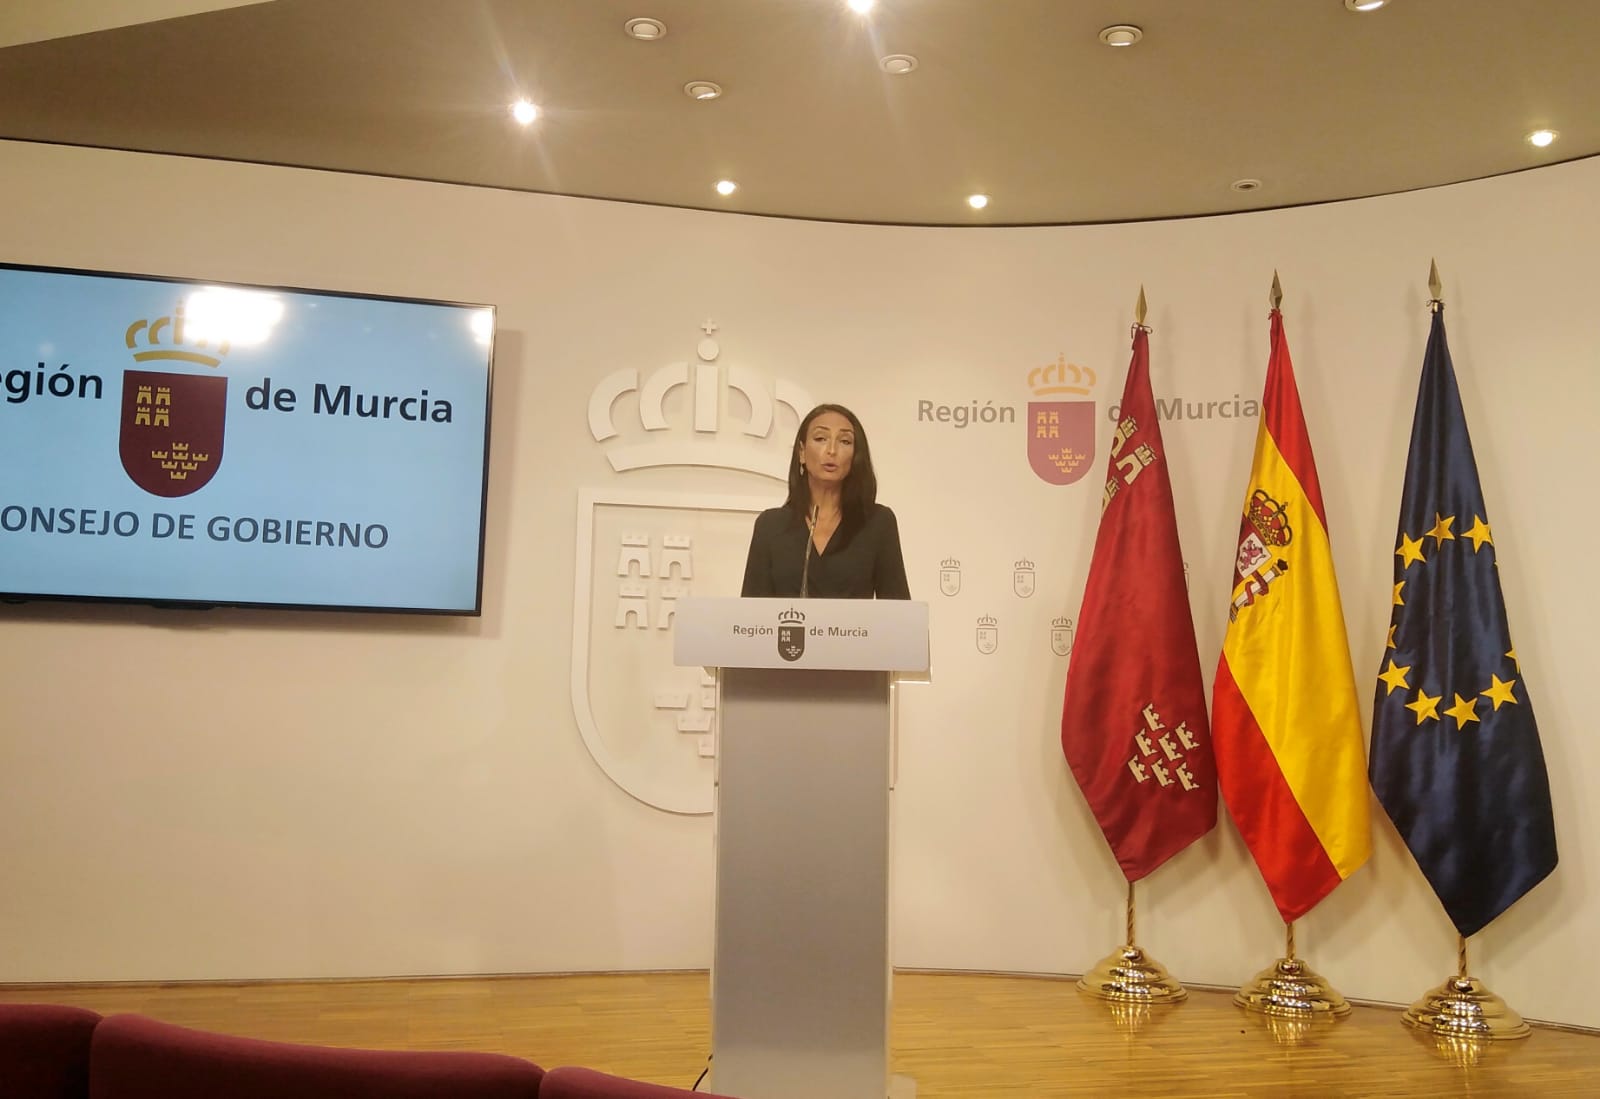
<point>179,442</point>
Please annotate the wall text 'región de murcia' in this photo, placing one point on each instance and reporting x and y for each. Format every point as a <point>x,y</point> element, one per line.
<point>344,401</point>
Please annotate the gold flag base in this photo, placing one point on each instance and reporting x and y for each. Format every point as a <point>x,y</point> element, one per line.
<point>1463,1008</point>
<point>1127,975</point>
<point>1293,989</point>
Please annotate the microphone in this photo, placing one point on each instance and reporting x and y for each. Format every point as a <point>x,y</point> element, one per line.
<point>811,533</point>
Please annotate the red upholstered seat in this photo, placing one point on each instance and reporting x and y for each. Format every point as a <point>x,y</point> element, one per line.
<point>585,1083</point>
<point>44,1051</point>
<point>133,1057</point>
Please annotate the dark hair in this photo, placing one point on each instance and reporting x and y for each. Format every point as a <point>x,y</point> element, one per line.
<point>857,493</point>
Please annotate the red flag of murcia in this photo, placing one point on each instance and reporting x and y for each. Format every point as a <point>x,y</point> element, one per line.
<point>172,427</point>
<point>1133,721</point>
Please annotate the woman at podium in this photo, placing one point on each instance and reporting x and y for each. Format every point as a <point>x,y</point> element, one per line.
<point>831,539</point>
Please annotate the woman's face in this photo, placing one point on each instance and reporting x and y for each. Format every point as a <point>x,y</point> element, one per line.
<point>828,448</point>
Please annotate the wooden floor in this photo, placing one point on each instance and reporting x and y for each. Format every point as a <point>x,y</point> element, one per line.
<point>955,1034</point>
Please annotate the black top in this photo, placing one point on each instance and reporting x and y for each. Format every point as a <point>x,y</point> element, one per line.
<point>860,561</point>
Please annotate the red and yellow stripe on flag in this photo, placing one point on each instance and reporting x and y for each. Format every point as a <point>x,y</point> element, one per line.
<point>1284,717</point>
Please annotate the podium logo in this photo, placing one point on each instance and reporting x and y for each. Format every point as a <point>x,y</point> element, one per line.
<point>791,634</point>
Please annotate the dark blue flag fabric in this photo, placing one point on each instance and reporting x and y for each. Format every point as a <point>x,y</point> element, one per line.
<point>1455,756</point>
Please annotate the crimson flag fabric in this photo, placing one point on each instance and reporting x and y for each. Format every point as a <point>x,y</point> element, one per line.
<point>1284,708</point>
<point>1456,760</point>
<point>1133,719</point>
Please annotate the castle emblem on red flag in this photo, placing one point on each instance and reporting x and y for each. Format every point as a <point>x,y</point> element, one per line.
<point>1060,433</point>
<point>172,430</point>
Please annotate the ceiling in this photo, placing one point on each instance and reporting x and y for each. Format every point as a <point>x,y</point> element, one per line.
<point>1014,98</point>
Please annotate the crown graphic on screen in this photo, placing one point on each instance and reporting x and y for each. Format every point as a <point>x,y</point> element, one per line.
<point>1061,377</point>
<point>163,339</point>
<point>702,413</point>
<point>1061,623</point>
<point>950,563</point>
<point>1024,564</point>
<point>791,617</point>
<point>988,620</point>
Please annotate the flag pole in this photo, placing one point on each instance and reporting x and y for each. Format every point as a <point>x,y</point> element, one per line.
<point>1127,977</point>
<point>1289,991</point>
<point>1462,1008</point>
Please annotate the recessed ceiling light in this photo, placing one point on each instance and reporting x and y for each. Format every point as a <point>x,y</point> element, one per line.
<point>861,7</point>
<point>524,111</point>
<point>726,187</point>
<point>644,29</point>
<point>1122,34</point>
<point>977,202</point>
<point>1364,5</point>
<point>1246,185</point>
<point>897,64</point>
<point>702,89</point>
<point>1542,138</point>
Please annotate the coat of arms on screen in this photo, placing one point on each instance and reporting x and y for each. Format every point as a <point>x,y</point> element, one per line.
<point>172,424</point>
<point>1060,432</point>
<point>715,438</point>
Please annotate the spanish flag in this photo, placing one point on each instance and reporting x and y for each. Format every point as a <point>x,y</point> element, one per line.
<point>1284,712</point>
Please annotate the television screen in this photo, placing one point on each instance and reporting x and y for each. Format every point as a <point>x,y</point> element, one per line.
<point>173,441</point>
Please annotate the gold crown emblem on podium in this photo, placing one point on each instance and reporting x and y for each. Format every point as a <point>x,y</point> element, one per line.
<point>791,617</point>
<point>688,416</point>
<point>1061,377</point>
<point>165,339</point>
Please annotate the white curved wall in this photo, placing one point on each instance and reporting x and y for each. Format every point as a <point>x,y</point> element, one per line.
<point>335,794</point>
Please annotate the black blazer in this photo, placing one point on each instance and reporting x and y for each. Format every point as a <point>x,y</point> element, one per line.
<point>861,560</point>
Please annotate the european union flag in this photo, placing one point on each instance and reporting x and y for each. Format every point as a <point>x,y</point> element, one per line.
<point>1455,756</point>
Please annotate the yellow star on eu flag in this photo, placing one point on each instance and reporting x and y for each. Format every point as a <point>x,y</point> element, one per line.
<point>1499,691</point>
<point>1425,706</point>
<point>1478,532</point>
<point>1410,550</point>
<point>1394,677</point>
<point>1397,600</point>
<point>1464,711</point>
<point>1441,531</point>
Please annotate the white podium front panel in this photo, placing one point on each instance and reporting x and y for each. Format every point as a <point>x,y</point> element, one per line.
<point>856,634</point>
<point>800,975</point>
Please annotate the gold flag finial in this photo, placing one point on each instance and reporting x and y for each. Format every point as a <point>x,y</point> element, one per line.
<point>1139,308</point>
<point>1276,296</point>
<point>1435,287</point>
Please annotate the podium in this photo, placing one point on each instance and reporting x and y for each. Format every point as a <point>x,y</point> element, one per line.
<point>800,971</point>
